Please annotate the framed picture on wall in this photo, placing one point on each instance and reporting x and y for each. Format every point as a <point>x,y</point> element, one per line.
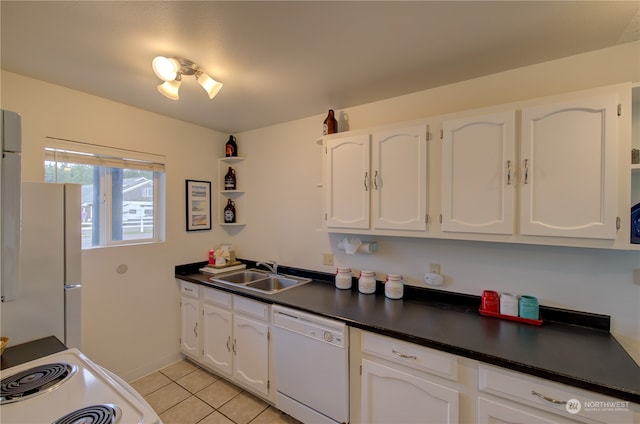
<point>198,205</point>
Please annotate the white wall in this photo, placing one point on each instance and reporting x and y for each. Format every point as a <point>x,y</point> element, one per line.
<point>131,320</point>
<point>285,213</point>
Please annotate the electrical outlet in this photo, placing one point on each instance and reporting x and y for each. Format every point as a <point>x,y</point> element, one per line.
<point>327,259</point>
<point>433,279</point>
<point>434,268</point>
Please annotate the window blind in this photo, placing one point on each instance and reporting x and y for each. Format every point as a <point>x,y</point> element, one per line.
<point>67,151</point>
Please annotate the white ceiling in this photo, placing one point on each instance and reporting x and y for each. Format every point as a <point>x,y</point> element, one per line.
<point>281,61</point>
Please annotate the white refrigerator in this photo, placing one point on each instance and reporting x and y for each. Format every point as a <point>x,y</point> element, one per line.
<point>45,292</point>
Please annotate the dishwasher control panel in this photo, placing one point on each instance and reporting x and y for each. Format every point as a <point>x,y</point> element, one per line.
<point>312,326</point>
<point>324,334</point>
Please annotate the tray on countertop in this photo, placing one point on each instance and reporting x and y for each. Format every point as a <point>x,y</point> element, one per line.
<point>511,317</point>
<point>218,269</point>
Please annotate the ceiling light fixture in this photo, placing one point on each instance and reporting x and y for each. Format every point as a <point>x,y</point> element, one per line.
<point>171,69</point>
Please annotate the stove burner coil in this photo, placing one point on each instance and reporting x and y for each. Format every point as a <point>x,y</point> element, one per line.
<point>94,414</point>
<point>34,381</point>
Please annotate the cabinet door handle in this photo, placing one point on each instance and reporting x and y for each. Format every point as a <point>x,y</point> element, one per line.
<point>548,399</point>
<point>228,341</point>
<point>375,180</point>
<point>404,356</point>
<point>366,181</point>
<point>526,171</point>
<point>195,329</point>
<point>234,346</point>
<point>508,172</point>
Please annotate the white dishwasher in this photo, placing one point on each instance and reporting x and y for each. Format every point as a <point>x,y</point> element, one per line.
<point>311,359</point>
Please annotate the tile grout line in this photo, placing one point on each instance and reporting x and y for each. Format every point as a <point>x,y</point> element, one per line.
<point>191,394</point>
<point>194,395</point>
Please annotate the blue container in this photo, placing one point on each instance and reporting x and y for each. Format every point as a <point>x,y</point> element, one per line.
<point>529,308</point>
<point>635,224</point>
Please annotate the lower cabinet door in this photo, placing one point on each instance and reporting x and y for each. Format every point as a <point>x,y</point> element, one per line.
<point>490,412</point>
<point>251,353</point>
<point>216,339</point>
<point>190,333</point>
<point>393,396</point>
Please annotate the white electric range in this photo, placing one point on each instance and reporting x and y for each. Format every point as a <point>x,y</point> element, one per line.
<point>67,387</point>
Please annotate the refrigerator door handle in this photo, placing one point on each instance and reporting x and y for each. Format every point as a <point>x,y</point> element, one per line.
<point>73,315</point>
<point>73,234</point>
<point>11,226</point>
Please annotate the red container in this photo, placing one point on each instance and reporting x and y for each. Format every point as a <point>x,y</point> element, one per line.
<point>490,301</point>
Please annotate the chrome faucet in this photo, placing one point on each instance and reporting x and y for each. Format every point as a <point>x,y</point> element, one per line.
<point>270,265</point>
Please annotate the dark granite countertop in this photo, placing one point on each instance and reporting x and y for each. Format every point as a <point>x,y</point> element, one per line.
<point>578,355</point>
<point>25,352</point>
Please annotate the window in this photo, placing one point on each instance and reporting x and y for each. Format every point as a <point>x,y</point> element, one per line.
<point>122,191</point>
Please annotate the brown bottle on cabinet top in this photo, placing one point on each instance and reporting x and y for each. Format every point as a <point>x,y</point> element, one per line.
<point>231,148</point>
<point>330,125</point>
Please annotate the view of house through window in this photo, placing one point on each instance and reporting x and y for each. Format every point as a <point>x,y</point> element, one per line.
<point>121,197</point>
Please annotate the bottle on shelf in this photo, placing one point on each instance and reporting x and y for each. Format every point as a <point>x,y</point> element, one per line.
<point>231,148</point>
<point>230,179</point>
<point>230,212</point>
<point>330,125</point>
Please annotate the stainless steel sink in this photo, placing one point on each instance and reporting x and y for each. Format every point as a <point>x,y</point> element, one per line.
<point>242,277</point>
<point>276,283</point>
<point>258,280</point>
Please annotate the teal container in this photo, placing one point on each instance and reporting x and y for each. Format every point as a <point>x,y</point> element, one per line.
<point>529,308</point>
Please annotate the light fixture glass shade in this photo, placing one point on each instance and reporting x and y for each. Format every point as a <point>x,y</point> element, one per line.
<point>170,89</point>
<point>165,68</point>
<point>211,86</point>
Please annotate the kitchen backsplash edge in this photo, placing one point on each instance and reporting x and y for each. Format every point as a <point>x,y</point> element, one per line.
<point>459,301</point>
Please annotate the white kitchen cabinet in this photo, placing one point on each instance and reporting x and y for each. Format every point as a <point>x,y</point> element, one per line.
<point>399,179</point>
<point>227,334</point>
<point>635,138</point>
<point>251,353</point>
<point>390,395</point>
<point>251,344</point>
<point>397,383</point>
<point>383,187</point>
<point>190,319</point>
<point>347,182</point>
<point>565,176</point>
<point>217,341</point>
<point>490,412</point>
<point>479,174</point>
<point>518,396</point>
<point>568,167</point>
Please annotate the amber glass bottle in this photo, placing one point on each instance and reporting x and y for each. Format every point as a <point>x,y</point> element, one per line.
<point>230,179</point>
<point>230,212</point>
<point>330,125</point>
<point>231,148</point>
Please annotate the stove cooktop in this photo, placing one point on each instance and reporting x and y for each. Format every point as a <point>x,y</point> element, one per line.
<point>34,381</point>
<point>67,387</point>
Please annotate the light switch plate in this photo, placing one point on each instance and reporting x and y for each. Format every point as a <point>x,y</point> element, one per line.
<point>327,259</point>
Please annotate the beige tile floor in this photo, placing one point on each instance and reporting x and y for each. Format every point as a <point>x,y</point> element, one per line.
<point>184,393</point>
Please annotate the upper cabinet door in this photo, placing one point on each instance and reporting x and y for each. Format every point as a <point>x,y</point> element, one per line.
<point>347,182</point>
<point>478,174</point>
<point>568,169</point>
<point>399,179</point>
